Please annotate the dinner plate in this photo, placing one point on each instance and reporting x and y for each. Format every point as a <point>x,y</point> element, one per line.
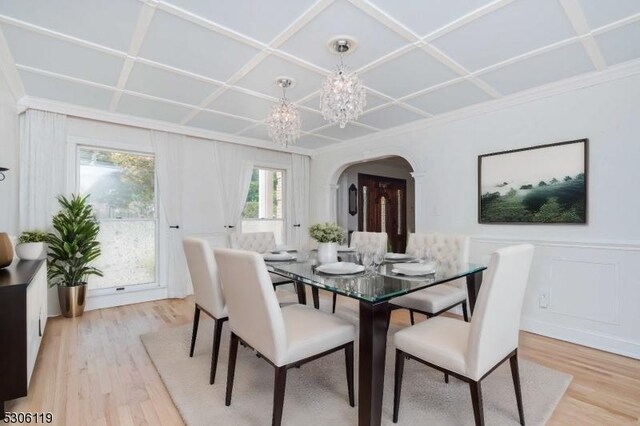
<point>397,256</point>
<point>279,256</point>
<point>340,268</point>
<point>345,249</point>
<point>413,269</point>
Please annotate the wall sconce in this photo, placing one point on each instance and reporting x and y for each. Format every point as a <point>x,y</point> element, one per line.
<point>2,170</point>
<point>353,200</point>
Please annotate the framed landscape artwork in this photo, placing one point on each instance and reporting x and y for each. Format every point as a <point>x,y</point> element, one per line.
<point>540,184</point>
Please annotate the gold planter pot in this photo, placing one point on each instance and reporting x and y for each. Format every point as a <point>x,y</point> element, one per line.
<point>72,300</point>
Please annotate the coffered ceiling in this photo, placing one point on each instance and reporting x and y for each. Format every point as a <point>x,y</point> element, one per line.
<point>212,64</point>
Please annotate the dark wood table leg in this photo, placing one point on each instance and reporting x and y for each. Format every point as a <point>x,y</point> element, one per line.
<point>473,287</point>
<point>373,342</point>
<point>316,297</point>
<point>302,294</point>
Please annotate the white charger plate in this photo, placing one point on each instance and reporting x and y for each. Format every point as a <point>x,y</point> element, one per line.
<point>414,269</point>
<point>397,256</point>
<point>279,256</point>
<point>340,268</point>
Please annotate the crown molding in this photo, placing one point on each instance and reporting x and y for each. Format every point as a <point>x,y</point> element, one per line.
<point>575,83</point>
<point>29,102</point>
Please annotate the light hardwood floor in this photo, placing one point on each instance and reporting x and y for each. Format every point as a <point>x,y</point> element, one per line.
<point>94,370</point>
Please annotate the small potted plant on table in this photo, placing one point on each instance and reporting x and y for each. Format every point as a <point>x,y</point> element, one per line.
<point>328,236</point>
<point>73,247</point>
<point>32,245</point>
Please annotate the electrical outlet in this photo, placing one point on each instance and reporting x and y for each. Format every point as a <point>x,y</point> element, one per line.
<point>543,299</point>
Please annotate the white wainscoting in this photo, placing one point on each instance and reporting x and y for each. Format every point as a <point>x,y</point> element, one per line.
<point>591,289</point>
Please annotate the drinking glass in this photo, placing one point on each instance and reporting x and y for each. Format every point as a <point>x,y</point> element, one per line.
<point>367,260</point>
<point>425,255</point>
<point>378,258</point>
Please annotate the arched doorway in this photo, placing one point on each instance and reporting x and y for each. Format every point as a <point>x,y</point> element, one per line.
<point>378,196</point>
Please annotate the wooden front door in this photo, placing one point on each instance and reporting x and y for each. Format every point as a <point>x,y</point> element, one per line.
<point>383,208</point>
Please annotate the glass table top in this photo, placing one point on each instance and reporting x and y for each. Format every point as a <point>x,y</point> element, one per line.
<point>372,287</point>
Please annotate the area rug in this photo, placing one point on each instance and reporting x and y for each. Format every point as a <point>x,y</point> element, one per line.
<point>316,394</point>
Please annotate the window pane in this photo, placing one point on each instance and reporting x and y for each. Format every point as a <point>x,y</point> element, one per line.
<point>121,184</point>
<point>264,209</point>
<point>122,191</point>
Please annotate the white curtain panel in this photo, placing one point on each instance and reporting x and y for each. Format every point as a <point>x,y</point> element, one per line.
<point>300,194</point>
<point>235,166</point>
<point>43,137</point>
<point>168,148</point>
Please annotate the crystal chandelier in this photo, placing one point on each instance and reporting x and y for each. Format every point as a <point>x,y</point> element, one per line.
<point>284,120</point>
<point>343,95</point>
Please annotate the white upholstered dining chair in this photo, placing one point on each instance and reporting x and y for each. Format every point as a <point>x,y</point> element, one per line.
<point>361,241</point>
<point>451,251</point>
<point>285,337</point>
<point>471,351</point>
<point>207,292</point>
<point>260,242</point>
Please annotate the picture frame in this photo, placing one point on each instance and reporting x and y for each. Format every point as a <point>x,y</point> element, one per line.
<point>543,184</point>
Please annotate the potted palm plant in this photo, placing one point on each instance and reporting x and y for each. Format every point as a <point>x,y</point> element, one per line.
<point>32,245</point>
<point>73,247</point>
<point>328,236</point>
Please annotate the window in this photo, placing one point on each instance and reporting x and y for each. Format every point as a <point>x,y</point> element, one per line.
<point>121,188</point>
<point>264,209</point>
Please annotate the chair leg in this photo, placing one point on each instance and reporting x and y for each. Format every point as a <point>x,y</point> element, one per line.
<point>196,322</point>
<point>413,321</point>
<point>516,384</point>
<point>476,400</point>
<point>217,334</point>
<point>348,358</point>
<point>465,315</point>
<point>397,389</point>
<point>446,377</point>
<point>278,395</point>
<point>333,308</point>
<point>233,354</point>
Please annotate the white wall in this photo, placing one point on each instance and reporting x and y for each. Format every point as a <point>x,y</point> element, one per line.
<point>9,145</point>
<point>387,168</point>
<point>588,270</point>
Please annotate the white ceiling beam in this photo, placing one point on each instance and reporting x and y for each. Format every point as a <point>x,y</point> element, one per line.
<point>61,36</point>
<point>9,70</point>
<point>574,12</point>
<point>385,19</point>
<point>617,24</point>
<point>142,26</point>
<point>210,25</point>
<point>466,19</point>
<point>299,23</point>
<point>526,55</point>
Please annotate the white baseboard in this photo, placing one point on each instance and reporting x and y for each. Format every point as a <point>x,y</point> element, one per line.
<point>129,298</point>
<point>112,300</point>
<point>581,337</point>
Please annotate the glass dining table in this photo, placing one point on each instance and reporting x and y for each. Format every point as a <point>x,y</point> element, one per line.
<point>374,291</point>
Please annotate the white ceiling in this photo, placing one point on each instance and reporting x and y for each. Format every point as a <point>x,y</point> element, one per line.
<point>212,64</point>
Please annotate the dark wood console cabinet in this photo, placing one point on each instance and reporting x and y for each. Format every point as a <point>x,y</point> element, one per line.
<point>23,316</point>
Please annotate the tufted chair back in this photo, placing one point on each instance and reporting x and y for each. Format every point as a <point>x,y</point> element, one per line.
<point>254,313</point>
<point>260,242</point>
<point>452,251</point>
<point>496,320</point>
<point>204,276</point>
<point>369,239</point>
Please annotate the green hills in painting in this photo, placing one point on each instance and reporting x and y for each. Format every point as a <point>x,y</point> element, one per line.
<point>553,201</point>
